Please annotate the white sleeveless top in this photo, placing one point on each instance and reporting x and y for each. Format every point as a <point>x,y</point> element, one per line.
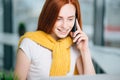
<point>41,59</point>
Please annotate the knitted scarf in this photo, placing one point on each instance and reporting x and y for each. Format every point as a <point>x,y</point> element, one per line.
<point>60,65</point>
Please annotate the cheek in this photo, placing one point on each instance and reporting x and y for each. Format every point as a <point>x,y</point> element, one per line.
<point>59,23</point>
<point>72,24</point>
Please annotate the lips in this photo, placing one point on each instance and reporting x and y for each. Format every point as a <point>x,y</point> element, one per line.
<point>62,32</point>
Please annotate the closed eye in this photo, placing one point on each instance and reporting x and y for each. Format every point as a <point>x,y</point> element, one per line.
<point>70,19</point>
<point>59,18</point>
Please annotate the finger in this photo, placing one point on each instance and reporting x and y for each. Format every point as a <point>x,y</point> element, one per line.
<point>77,37</point>
<point>80,39</point>
<point>75,33</point>
<point>78,26</point>
<point>83,37</point>
<point>78,32</point>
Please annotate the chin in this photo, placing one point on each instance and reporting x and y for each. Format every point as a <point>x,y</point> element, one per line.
<point>62,36</point>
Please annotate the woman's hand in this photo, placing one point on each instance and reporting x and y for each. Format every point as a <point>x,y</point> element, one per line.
<point>80,38</point>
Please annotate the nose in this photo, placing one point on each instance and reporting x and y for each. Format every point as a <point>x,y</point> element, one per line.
<point>65,24</point>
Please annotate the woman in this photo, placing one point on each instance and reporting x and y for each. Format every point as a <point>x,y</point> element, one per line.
<point>54,50</point>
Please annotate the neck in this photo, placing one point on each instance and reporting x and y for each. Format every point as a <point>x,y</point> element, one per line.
<point>54,37</point>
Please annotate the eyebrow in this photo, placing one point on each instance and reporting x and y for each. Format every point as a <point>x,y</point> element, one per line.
<point>68,17</point>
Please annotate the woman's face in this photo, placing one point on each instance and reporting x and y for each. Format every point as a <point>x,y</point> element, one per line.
<point>64,22</point>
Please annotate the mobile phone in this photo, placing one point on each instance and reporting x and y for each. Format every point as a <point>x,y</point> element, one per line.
<point>74,27</point>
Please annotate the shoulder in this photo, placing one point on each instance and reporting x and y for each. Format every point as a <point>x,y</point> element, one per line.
<point>27,41</point>
<point>28,46</point>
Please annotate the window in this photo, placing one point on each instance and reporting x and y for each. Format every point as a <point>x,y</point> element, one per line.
<point>1,30</point>
<point>27,12</point>
<point>112,23</point>
<point>87,12</point>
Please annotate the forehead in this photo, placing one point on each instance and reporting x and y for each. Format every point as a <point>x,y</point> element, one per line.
<point>67,10</point>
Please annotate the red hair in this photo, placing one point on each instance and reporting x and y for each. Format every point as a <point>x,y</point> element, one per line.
<point>50,13</point>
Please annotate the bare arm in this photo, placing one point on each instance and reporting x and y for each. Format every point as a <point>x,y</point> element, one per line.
<point>80,65</point>
<point>22,65</point>
<point>86,62</point>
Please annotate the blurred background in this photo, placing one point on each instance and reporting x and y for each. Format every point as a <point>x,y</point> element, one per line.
<point>101,22</point>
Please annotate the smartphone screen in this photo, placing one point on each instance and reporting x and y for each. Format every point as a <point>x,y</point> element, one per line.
<point>74,27</point>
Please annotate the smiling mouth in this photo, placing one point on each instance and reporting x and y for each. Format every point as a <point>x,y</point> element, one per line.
<point>62,32</point>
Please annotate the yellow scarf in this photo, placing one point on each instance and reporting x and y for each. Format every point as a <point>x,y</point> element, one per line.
<point>60,51</point>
